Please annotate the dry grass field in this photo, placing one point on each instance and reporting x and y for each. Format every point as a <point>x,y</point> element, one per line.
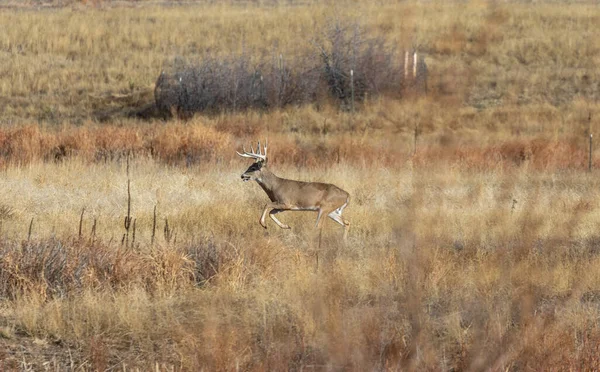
<point>474,242</point>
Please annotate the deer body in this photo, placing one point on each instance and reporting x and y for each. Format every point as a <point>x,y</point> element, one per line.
<point>294,195</point>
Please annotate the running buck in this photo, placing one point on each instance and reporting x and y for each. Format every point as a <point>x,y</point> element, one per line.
<point>289,195</point>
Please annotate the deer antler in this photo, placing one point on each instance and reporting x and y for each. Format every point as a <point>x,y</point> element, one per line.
<point>255,155</point>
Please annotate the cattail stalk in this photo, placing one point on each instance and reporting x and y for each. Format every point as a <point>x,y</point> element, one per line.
<point>30,229</point>
<point>153,226</point>
<point>94,231</point>
<point>167,231</point>
<point>81,222</point>
<point>127,221</point>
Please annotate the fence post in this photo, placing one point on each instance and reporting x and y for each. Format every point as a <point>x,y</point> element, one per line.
<point>405,66</point>
<point>415,66</point>
<point>416,135</point>
<point>352,89</point>
<point>590,162</point>
<point>281,81</point>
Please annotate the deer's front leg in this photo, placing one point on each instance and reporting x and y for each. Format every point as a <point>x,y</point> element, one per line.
<point>279,208</point>
<point>279,223</point>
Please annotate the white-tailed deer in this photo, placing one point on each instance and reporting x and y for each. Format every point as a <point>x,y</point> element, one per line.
<point>290,195</point>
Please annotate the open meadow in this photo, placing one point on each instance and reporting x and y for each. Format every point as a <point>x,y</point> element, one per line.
<point>475,222</point>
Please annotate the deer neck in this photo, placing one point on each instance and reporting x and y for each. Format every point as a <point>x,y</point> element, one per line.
<point>268,182</point>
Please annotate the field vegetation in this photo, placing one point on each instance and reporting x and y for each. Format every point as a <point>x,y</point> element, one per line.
<point>474,239</point>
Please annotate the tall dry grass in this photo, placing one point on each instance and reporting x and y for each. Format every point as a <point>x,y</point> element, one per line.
<point>462,268</point>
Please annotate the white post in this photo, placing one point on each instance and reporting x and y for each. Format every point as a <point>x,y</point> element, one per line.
<point>352,88</point>
<point>415,65</point>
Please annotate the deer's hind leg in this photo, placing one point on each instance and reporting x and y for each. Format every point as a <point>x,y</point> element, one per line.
<point>319,222</point>
<point>337,217</point>
<point>327,211</point>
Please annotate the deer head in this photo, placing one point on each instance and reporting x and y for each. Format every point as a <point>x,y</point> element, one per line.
<point>260,162</point>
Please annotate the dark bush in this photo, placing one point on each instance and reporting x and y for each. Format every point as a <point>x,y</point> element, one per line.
<point>231,84</point>
<point>207,258</point>
<point>376,67</point>
<point>238,82</point>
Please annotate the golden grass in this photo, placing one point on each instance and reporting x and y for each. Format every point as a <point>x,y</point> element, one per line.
<point>453,269</point>
<point>69,63</point>
<point>477,251</point>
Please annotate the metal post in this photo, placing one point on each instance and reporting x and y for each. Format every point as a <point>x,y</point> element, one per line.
<point>281,81</point>
<point>405,65</point>
<point>352,88</point>
<point>416,135</point>
<point>590,162</point>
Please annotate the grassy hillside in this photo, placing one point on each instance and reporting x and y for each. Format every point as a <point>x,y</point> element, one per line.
<point>69,63</point>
